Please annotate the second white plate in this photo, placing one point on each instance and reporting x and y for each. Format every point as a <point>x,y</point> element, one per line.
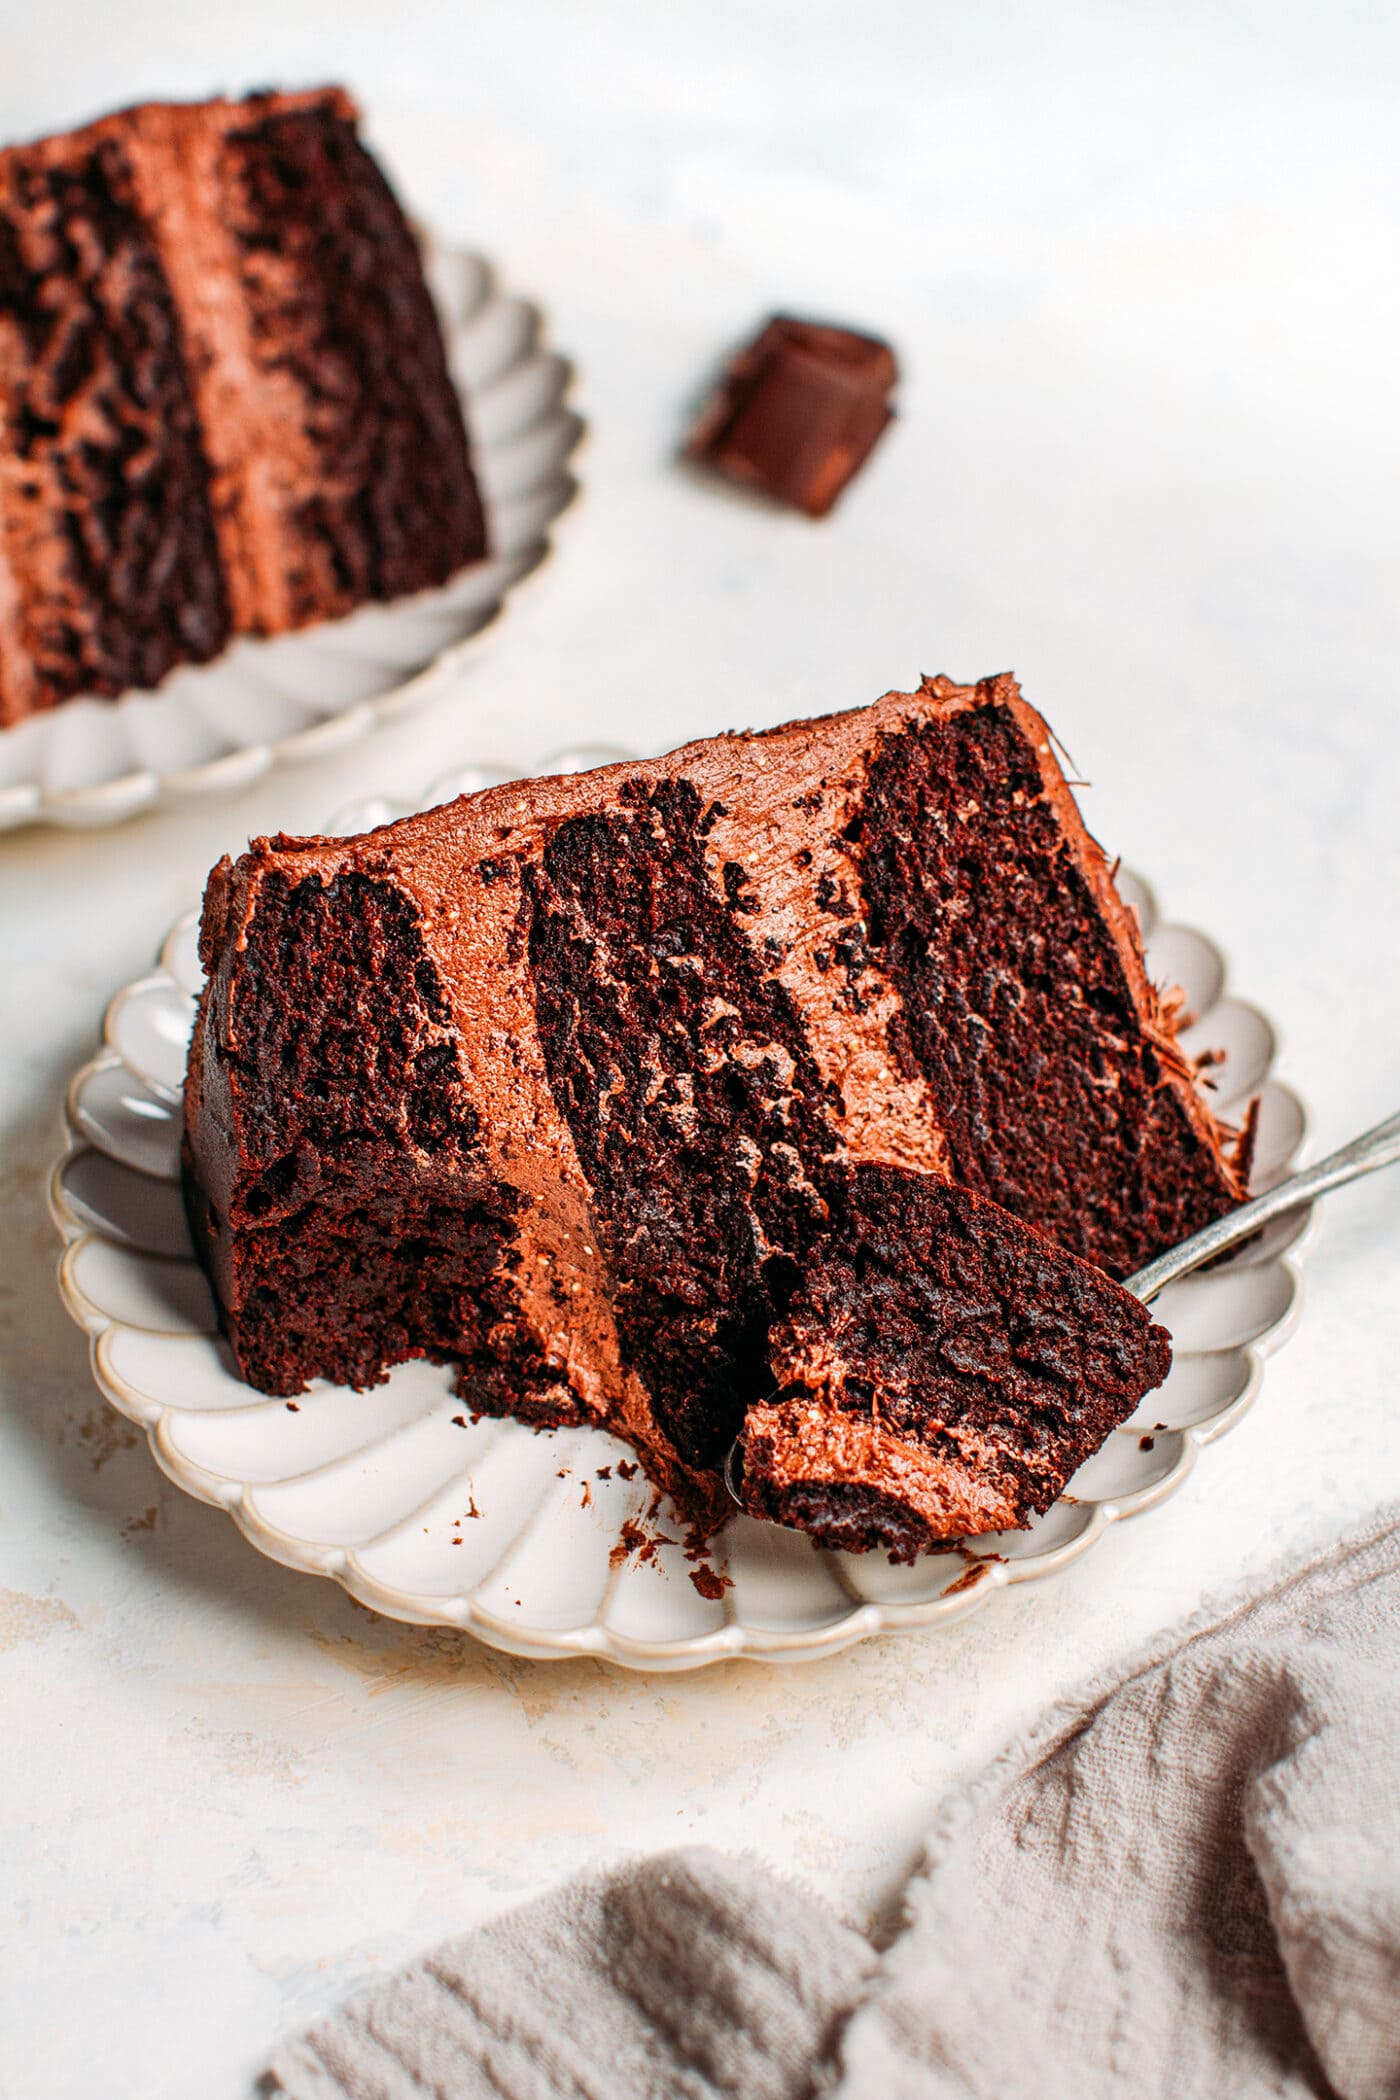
<point>552,1544</point>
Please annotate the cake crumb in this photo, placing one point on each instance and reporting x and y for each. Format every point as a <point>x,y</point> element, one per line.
<point>1147,1443</point>
<point>292,1408</point>
<point>710,1583</point>
<point>634,1538</point>
<point>630,1539</point>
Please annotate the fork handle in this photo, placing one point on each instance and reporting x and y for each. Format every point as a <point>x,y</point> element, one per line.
<point>1375,1148</point>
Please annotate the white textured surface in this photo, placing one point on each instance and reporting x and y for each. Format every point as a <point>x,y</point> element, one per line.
<point>1141,269</point>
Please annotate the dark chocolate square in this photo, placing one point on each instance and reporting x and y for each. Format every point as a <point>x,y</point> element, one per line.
<point>798,412</point>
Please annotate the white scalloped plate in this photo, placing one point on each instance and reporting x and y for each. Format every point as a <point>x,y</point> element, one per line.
<point>213,728</point>
<point>517,1536</point>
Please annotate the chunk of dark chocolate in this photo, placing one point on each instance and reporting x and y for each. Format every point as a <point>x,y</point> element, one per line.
<point>798,412</point>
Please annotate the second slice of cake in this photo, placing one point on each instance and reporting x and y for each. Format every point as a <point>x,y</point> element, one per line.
<point>619,1089</point>
<point>225,406</point>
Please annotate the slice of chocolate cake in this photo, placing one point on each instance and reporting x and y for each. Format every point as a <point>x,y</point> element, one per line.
<point>225,406</point>
<point>591,1085</point>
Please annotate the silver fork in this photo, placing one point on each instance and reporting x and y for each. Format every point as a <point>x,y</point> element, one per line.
<point>1374,1148</point>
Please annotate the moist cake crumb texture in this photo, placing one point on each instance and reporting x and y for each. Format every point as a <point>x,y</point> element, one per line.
<point>1017,1001</point>
<point>804,1088</point>
<point>697,1146</point>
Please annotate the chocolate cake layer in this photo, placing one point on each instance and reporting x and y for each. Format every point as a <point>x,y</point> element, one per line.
<point>224,397</point>
<point>364,1188</point>
<point>699,1145</point>
<point>657,1018</point>
<point>337,307</point>
<point>1026,1018</point>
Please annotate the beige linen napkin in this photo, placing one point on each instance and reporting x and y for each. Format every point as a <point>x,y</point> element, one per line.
<point>1186,1884</point>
